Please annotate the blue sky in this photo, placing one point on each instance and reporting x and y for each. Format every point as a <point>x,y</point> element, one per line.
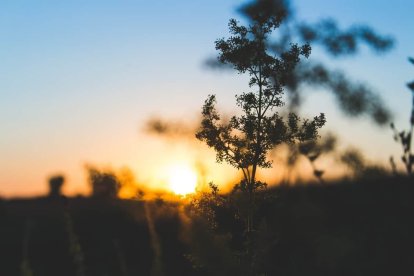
<point>78,79</point>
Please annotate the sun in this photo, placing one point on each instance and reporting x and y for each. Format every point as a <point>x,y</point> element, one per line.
<point>182,180</point>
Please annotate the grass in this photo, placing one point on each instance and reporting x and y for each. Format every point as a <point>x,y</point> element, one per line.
<point>349,228</point>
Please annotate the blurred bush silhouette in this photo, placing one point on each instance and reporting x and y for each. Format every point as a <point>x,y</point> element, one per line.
<point>55,186</point>
<point>105,185</point>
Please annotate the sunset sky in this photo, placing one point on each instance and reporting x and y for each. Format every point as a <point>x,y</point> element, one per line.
<point>80,79</point>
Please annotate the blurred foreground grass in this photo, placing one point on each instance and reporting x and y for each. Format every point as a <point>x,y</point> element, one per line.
<point>360,228</point>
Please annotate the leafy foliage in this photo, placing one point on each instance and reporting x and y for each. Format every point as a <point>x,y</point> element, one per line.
<point>205,204</point>
<point>245,140</point>
<point>353,99</point>
<point>343,42</point>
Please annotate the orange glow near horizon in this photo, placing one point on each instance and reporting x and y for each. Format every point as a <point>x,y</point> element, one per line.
<point>180,166</point>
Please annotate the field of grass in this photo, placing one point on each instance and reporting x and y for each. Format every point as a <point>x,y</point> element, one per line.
<point>361,228</point>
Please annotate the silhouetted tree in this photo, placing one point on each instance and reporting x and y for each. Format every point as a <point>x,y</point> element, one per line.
<point>354,99</point>
<point>405,137</point>
<point>55,185</point>
<point>245,140</point>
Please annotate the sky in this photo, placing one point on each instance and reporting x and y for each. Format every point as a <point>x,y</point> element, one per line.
<point>80,79</point>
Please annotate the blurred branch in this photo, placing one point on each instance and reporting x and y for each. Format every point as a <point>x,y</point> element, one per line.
<point>337,42</point>
<point>354,100</point>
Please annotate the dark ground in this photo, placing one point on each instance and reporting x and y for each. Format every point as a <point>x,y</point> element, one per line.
<point>364,228</point>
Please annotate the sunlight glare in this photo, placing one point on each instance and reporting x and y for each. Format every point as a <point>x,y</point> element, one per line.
<point>182,180</point>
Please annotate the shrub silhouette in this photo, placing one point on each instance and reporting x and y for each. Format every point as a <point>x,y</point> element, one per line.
<point>245,140</point>
<point>105,185</point>
<point>55,185</point>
